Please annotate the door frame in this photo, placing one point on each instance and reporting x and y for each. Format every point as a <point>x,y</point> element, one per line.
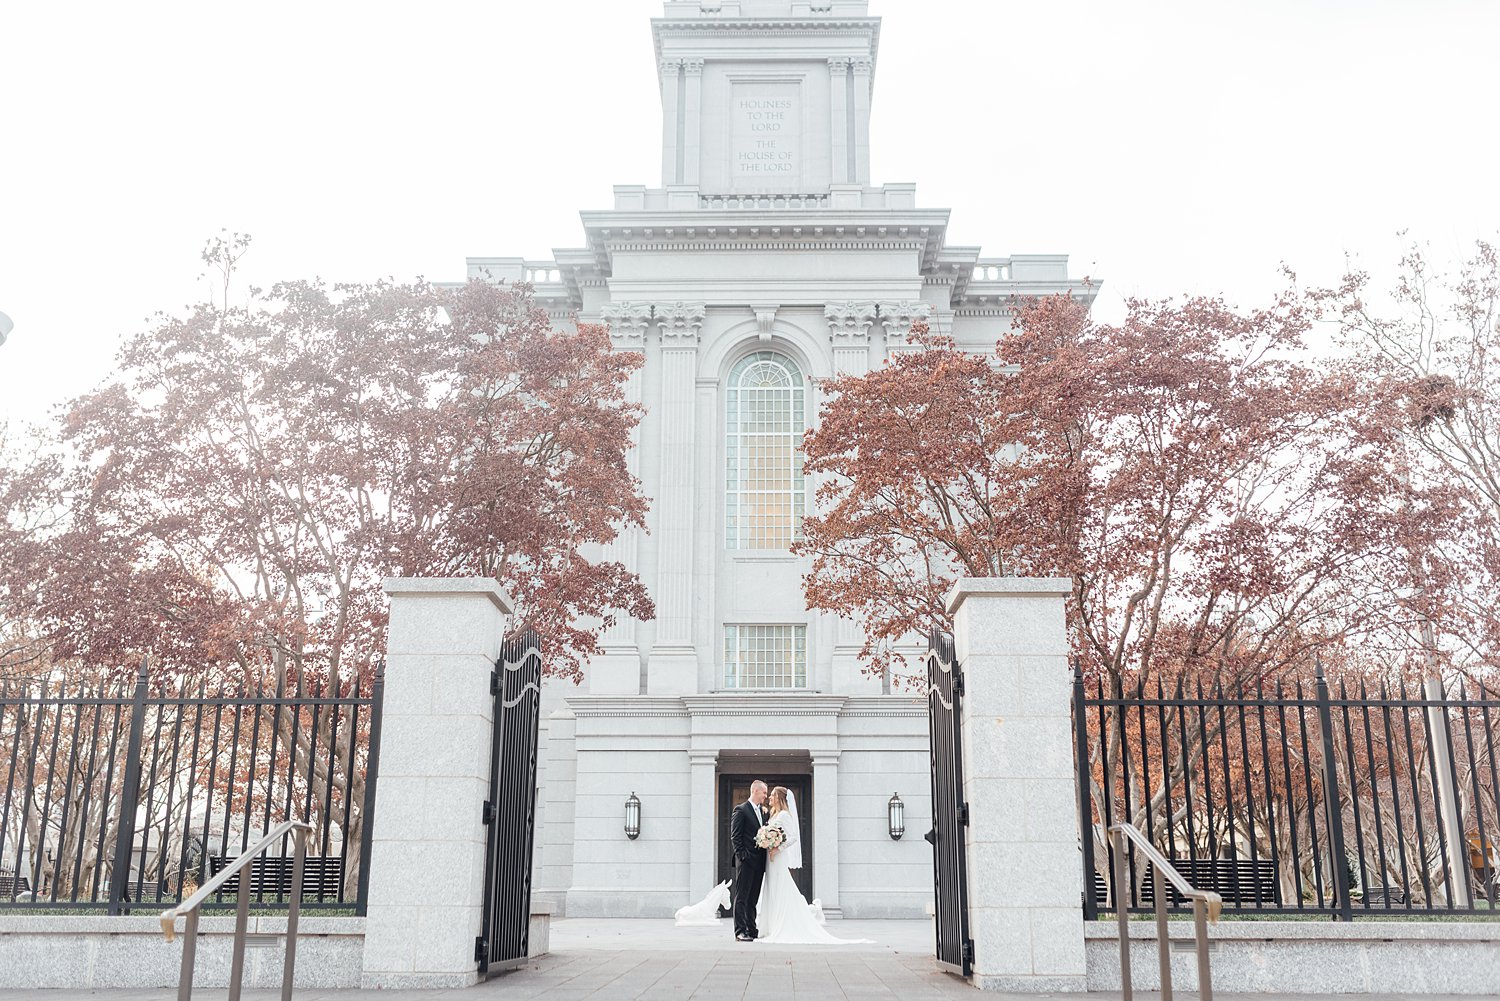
<point>801,785</point>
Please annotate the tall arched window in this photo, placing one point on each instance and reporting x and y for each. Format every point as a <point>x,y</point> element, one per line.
<point>764,495</point>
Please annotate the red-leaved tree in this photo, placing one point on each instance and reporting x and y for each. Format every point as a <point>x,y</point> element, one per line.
<point>228,503</point>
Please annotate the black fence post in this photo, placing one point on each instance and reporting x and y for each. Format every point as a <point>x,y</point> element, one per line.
<point>1343,906</point>
<point>1085,809</point>
<point>130,794</point>
<point>372,775</point>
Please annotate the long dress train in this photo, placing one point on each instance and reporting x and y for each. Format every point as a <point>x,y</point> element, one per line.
<point>786,919</point>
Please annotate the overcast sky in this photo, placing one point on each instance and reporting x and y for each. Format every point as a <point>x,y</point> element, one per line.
<point>1167,147</point>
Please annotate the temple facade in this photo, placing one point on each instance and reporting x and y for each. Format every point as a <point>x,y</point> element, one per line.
<point>765,262</point>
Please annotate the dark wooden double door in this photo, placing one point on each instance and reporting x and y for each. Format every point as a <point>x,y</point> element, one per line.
<point>735,789</point>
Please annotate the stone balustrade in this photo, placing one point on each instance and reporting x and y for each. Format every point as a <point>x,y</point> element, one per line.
<point>991,269</point>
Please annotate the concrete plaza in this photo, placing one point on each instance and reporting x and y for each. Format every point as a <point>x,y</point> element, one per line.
<point>621,960</point>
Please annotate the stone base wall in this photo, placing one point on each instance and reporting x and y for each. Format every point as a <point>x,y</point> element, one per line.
<point>1303,957</point>
<point>83,952</point>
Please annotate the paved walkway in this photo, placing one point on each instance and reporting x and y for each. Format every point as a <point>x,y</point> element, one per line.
<point>627,960</point>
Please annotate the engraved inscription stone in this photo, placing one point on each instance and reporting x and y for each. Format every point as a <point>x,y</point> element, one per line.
<point>767,134</point>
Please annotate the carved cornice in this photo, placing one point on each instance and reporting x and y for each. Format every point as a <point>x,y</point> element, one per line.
<point>628,321</point>
<point>680,321</point>
<point>849,322</point>
<point>899,316</point>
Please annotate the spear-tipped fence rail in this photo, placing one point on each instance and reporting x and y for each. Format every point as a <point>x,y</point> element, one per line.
<point>117,795</point>
<point>1292,798</point>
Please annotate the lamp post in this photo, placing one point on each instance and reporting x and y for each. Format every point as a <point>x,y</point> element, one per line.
<point>896,815</point>
<point>633,817</point>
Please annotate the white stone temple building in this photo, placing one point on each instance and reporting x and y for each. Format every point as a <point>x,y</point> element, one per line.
<point>764,262</point>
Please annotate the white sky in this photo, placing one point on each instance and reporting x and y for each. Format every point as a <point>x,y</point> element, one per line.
<point>1168,147</point>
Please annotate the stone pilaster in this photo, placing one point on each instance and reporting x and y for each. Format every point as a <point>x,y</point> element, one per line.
<point>859,97</point>
<point>671,153</point>
<point>849,330</point>
<point>898,319</point>
<point>703,782</point>
<point>838,117</point>
<point>427,850</point>
<point>617,671</point>
<point>1025,880</point>
<point>692,70</point>
<point>849,326</point>
<point>673,667</point>
<point>825,765</point>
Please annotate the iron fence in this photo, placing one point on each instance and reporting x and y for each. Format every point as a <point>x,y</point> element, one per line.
<point>1297,799</point>
<point>122,794</point>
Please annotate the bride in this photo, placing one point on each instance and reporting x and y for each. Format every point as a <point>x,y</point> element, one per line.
<point>786,917</point>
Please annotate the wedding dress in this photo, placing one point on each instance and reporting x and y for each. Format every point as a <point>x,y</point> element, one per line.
<point>785,917</point>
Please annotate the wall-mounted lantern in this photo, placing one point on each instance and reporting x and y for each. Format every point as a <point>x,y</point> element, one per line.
<point>633,817</point>
<point>897,816</point>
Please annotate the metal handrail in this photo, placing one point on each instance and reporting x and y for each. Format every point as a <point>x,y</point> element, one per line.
<point>190,908</point>
<point>1206,907</point>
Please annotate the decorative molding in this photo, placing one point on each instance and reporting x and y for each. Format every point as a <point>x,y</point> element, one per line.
<point>816,242</point>
<point>850,322</point>
<point>863,65</point>
<point>693,67</point>
<point>838,64</point>
<point>898,318</point>
<point>680,321</point>
<point>765,318</point>
<point>670,66</point>
<point>628,321</point>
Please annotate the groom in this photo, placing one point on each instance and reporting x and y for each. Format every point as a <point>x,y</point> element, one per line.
<point>749,861</point>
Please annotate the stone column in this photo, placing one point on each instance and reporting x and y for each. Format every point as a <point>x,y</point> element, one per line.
<point>859,97</point>
<point>617,671</point>
<point>825,825</point>
<point>1024,876</point>
<point>838,118</point>
<point>670,114</point>
<point>693,121</point>
<point>427,849</point>
<point>673,666</point>
<point>702,770</point>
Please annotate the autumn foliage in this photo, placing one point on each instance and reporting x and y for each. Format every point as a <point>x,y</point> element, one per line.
<point>236,493</point>
<point>1228,507</point>
<point>1216,499</point>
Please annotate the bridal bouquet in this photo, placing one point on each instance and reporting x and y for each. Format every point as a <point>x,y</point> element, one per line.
<point>769,837</point>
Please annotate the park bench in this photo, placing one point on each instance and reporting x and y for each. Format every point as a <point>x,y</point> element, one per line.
<point>12,886</point>
<point>1381,897</point>
<point>1236,880</point>
<point>271,876</point>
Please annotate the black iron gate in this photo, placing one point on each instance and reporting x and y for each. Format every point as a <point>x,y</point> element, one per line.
<point>510,811</point>
<point>950,813</point>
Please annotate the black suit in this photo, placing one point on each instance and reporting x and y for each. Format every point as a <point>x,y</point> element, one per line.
<point>750,867</point>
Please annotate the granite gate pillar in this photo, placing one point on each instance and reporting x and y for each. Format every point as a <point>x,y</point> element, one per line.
<point>1025,890</point>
